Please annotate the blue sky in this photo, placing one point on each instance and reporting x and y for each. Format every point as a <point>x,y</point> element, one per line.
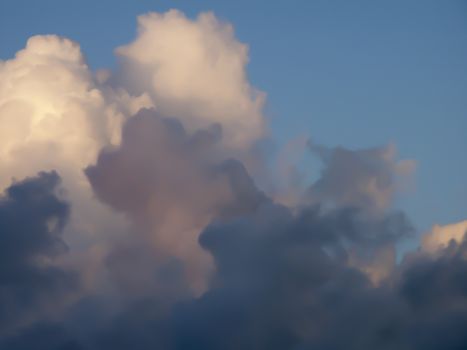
<point>351,73</point>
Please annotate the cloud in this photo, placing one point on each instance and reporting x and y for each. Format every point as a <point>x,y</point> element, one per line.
<point>285,281</point>
<point>51,112</point>
<point>42,336</point>
<point>54,115</point>
<point>172,183</point>
<point>435,289</point>
<point>159,236</point>
<point>194,70</point>
<point>440,236</point>
<point>32,219</point>
<point>366,178</point>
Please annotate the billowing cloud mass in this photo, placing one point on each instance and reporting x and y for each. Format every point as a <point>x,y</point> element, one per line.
<point>131,218</point>
<point>172,184</point>
<point>195,71</point>
<point>54,116</point>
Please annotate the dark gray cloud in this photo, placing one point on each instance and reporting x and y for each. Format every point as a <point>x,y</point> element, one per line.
<point>285,281</point>
<point>280,277</point>
<point>42,336</point>
<point>32,219</point>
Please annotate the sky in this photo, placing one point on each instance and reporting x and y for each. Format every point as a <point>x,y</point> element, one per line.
<point>233,175</point>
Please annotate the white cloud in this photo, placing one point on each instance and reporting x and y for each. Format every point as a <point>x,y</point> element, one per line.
<point>51,113</point>
<point>195,71</point>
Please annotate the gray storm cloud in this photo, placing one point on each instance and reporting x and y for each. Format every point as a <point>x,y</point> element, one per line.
<point>135,219</point>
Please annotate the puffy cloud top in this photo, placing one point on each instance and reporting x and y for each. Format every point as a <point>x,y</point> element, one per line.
<point>51,112</point>
<point>195,71</point>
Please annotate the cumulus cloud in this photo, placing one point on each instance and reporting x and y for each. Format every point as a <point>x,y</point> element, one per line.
<point>159,236</point>
<point>55,116</point>
<point>195,70</point>
<point>51,112</point>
